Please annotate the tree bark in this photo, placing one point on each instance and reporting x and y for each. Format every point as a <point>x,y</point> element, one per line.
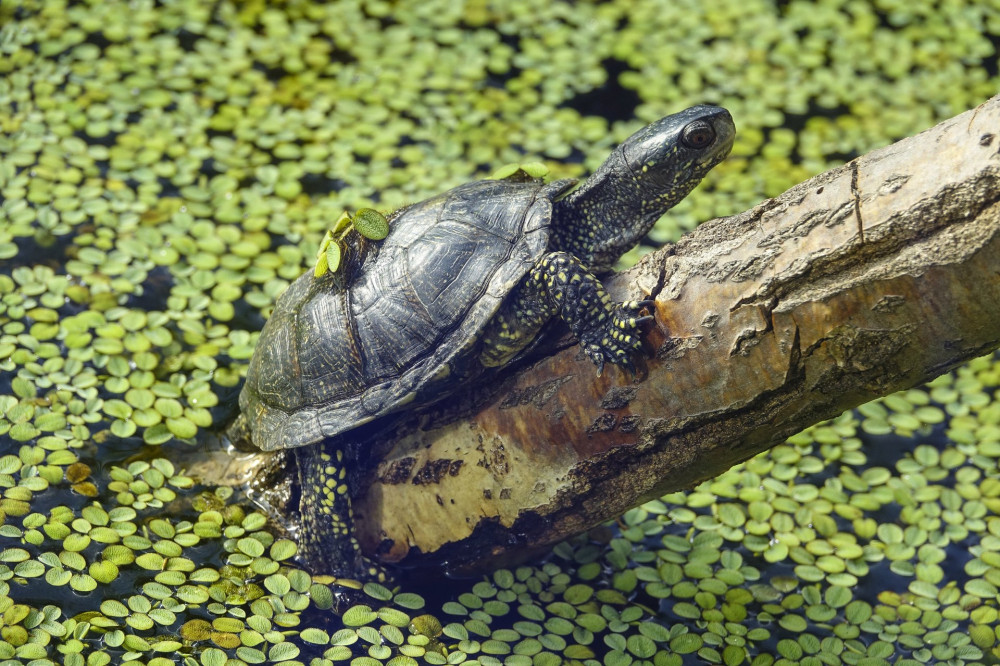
<point>867,279</point>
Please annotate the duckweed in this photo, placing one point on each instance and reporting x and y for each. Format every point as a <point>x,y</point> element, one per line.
<point>167,169</point>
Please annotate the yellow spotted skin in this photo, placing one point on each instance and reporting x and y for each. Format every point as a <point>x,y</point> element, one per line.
<point>327,540</point>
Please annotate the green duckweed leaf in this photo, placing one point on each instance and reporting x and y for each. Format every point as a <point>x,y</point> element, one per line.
<point>371,224</point>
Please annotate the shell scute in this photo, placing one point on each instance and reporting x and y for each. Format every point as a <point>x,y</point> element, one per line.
<point>446,267</point>
<point>330,364</point>
<point>394,330</point>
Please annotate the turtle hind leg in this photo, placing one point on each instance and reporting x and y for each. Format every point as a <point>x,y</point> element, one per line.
<point>326,539</point>
<point>560,285</point>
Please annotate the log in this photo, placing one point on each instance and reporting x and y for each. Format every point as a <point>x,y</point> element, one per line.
<point>870,278</point>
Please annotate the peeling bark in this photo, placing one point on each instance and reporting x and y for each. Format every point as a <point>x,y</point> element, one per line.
<point>862,281</point>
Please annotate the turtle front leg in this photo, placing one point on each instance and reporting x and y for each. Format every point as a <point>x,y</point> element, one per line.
<point>326,539</point>
<point>559,285</point>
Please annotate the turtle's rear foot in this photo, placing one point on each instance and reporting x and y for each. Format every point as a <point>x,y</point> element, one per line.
<point>326,540</point>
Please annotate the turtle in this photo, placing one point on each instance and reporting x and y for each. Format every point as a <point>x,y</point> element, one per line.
<point>462,284</point>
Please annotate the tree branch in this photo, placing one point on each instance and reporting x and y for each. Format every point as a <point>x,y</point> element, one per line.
<point>867,279</point>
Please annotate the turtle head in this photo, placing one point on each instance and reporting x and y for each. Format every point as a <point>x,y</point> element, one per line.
<point>669,157</point>
<point>642,178</point>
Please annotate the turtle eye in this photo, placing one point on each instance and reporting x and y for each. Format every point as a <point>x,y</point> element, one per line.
<point>697,134</point>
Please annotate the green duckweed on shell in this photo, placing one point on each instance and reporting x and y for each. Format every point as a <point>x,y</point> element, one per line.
<point>370,223</point>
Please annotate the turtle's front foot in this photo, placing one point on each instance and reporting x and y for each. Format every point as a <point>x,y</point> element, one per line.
<point>560,285</point>
<point>619,337</point>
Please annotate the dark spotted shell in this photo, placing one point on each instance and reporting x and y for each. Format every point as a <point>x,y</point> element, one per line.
<point>332,358</point>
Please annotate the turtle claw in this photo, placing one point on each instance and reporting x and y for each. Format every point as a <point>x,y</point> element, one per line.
<point>628,313</point>
<point>597,355</point>
<point>625,363</point>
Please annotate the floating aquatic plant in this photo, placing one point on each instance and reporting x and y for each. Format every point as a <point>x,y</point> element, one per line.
<point>166,169</point>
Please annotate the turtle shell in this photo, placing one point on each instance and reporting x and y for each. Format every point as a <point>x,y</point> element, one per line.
<point>333,356</point>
